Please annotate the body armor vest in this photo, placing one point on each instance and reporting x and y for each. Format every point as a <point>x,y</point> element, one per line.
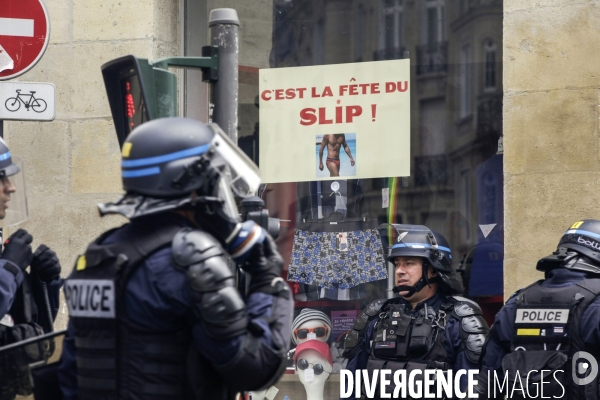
<point>409,341</point>
<point>545,338</point>
<point>117,359</point>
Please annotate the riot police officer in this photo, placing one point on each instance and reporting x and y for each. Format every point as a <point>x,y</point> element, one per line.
<point>16,285</point>
<point>425,327</point>
<point>547,325</point>
<point>28,301</point>
<point>154,310</point>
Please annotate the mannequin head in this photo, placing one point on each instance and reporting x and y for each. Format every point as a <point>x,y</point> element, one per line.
<point>313,366</point>
<point>309,324</point>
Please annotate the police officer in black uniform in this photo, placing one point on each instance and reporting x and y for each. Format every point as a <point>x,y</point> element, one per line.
<point>28,301</point>
<point>154,308</point>
<point>425,327</point>
<point>549,325</point>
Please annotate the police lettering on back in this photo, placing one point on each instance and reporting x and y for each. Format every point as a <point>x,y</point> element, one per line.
<point>90,298</point>
<point>542,316</point>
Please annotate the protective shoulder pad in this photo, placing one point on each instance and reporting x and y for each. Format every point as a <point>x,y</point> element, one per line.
<point>202,258</point>
<point>473,327</point>
<point>367,314</point>
<point>358,330</point>
<point>216,300</point>
<point>464,307</point>
<point>192,246</point>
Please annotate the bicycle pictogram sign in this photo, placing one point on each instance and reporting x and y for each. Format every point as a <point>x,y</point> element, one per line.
<point>13,104</point>
<point>27,101</point>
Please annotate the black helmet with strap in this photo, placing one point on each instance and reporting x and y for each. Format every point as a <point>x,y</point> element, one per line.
<point>420,241</point>
<point>181,163</point>
<point>165,160</point>
<point>578,249</point>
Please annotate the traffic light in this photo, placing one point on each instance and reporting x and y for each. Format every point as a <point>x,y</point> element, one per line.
<point>139,90</point>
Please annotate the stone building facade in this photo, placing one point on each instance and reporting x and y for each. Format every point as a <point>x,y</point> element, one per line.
<point>539,92</point>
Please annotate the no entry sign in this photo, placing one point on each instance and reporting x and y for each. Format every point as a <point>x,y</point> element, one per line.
<point>24,36</point>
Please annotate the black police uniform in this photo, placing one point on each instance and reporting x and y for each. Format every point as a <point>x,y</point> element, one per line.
<point>22,297</point>
<point>154,311</point>
<point>28,301</point>
<point>546,325</point>
<point>443,332</point>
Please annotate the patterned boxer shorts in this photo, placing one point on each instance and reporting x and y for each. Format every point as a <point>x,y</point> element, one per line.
<point>335,258</point>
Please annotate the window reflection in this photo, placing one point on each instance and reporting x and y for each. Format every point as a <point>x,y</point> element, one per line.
<point>455,185</point>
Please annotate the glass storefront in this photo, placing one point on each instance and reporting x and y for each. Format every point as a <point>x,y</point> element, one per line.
<point>455,184</point>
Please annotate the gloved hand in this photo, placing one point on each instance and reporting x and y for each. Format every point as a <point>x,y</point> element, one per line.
<point>264,264</point>
<point>45,264</point>
<point>17,249</point>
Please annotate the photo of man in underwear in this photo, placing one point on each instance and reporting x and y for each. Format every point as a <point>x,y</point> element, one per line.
<point>334,142</point>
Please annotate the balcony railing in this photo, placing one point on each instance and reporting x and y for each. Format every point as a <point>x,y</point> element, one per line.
<point>432,170</point>
<point>395,53</point>
<point>432,58</point>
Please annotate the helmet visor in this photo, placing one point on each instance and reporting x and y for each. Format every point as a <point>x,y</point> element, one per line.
<point>13,207</point>
<point>229,206</point>
<point>243,174</point>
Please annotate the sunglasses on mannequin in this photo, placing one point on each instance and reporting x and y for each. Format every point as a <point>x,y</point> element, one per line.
<point>302,364</point>
<point>302,333</point>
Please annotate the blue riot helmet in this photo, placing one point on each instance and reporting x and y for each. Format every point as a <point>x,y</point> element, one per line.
<point>420,241</point>
<point>180,163</point>
<point>13,209</point>
<point>578,249</point>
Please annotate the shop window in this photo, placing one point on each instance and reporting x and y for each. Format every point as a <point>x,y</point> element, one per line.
<point>466,81</point>
<point>489,73</point>
<point>433,128</point>
<point>390,30</point>
<point>465,192</point>
<point>432,54</point>
<point>455,180</point>
<point>359,33</point>
<point>319,43</point>
<point>436,32</point>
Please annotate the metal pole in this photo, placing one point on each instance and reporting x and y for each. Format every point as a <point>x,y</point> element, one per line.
<point>224,25</point>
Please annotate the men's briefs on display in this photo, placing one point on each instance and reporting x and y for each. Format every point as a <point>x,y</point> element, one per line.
<point>337,255</point>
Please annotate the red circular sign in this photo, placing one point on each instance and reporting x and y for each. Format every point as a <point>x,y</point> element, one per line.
<point>24,36</point>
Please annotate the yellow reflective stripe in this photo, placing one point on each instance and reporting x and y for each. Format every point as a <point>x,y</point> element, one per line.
<point>80,263</point>
<point>528,332</point>
<point>126,149</point>
<point>576,225</point>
